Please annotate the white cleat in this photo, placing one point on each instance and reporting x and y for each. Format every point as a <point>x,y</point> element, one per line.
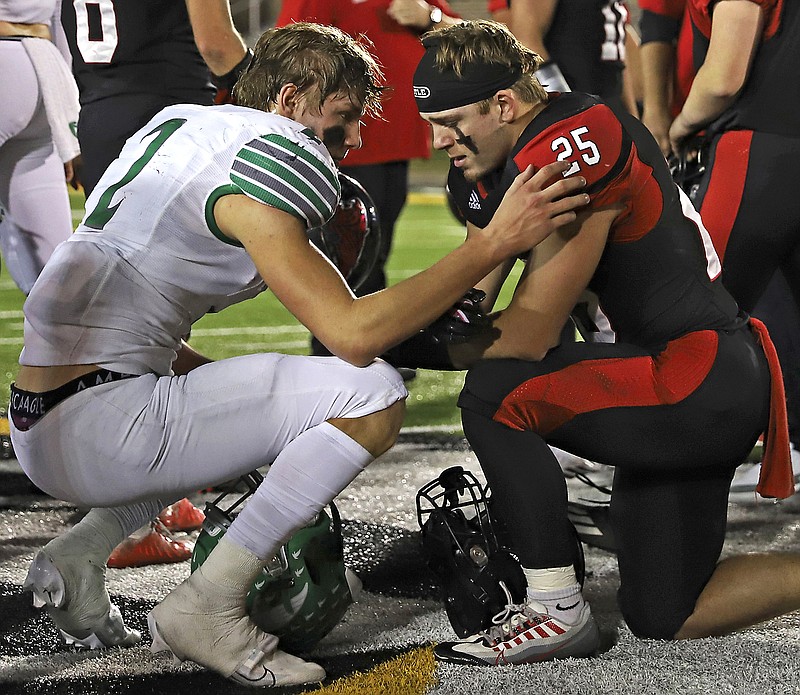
<point>524,634</point>
<point>73,591</point>
<point>198,621</point>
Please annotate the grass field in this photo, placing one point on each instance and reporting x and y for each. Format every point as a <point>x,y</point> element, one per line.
<point>426,231</point>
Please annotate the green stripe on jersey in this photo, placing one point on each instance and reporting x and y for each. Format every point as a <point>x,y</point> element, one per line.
<point>284,169</point>
<point>295,182</point>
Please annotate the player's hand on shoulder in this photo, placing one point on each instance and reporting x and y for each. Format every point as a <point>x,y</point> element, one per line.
<point>535,205</point>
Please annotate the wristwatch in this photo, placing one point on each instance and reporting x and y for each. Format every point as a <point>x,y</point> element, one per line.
<point>435,17</point>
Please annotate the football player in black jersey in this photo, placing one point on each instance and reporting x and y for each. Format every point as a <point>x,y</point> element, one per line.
<point>675,404</point>
<point>131,59</point>
<point>745,114</point>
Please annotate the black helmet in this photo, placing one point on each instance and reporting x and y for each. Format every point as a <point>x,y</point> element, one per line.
<point>468,550</point>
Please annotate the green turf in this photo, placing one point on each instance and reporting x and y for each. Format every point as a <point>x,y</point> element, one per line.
<point>426,231</point>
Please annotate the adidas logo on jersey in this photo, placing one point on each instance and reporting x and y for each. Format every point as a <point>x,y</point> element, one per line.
<point>474,201</point>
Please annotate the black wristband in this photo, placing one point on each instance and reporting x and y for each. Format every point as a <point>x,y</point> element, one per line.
<point>226,81</point>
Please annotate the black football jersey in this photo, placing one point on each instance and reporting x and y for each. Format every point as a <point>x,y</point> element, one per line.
<point>135,46</point>
<point>587,40</point>
<point>770,99</point>
<point>658,277</point>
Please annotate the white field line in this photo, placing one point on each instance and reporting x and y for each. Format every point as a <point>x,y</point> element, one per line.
<point>267,346</point>
<point>248,330</point>
<point>266,331</point>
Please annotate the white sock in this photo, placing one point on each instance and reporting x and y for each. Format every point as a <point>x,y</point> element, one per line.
<point>231,566</point>
<point>550,577</point>
<point>103,528</point>
<point>565,604</point>
<point>305,477</point>
<point>136,518</point>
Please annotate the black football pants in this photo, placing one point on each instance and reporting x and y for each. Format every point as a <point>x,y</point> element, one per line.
<point>674,432</point>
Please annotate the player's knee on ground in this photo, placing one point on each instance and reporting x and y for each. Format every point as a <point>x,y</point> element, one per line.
<point>376,432</point>
<point>651,616</point>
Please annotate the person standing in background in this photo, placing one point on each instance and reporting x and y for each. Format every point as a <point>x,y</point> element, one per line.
<point>37,144</point>
<point>745,114</point>
<point>583,44</point>
<point>132,58</point>
<point>37,138</point>
<point>389,143</point>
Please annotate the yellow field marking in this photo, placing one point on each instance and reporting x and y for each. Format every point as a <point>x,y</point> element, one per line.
<point>412,673</point>
<point>425,198</point>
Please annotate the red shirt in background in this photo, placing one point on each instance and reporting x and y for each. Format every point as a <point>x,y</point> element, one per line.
<point>402,135</point>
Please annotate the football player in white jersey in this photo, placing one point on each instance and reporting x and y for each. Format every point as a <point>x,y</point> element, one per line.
<point>205,207</point>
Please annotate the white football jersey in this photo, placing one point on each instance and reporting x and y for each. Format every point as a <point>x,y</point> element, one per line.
<point>148,260</point>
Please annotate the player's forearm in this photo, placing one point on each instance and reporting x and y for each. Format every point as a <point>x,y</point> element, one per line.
<point>735,36</point>
<point>219,43</point>
<point>376,322</point>
<point>658,67</point>
<point>530,212</point>
<point>530,22</point>
<point>704,103</point>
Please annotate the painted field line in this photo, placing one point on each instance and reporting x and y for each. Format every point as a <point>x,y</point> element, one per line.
<point>248,330</point>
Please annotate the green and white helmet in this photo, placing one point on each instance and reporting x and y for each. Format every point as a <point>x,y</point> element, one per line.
<point>305,590</point>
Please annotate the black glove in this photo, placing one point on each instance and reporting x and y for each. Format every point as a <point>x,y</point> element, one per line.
<point>463,321</point>
<point>224,83</point>
<point>428,349</point>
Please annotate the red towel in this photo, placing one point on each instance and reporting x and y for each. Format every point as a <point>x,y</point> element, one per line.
<point>776,478</point>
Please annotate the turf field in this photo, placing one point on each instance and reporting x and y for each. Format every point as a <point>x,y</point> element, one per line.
<point>382,645</point>
<point>426,231</point>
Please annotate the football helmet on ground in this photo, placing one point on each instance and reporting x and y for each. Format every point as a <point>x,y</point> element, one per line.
<point>351,238</point>
<point>467,548</point>
<point>304,591</point>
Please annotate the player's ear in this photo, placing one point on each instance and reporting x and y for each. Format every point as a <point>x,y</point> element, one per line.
<point>288,100</point>
<point>509,105</point>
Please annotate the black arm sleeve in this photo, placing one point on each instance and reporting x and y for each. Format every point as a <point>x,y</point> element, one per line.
<point>658,27</point>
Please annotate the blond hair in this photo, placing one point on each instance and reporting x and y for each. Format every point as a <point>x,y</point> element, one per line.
<point>319,60</point>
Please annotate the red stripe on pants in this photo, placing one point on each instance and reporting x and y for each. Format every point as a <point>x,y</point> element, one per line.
<point>721,202</point>
<point>546,402</point>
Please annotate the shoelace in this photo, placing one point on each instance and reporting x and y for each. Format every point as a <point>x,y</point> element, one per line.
<point>507,622</point>
<point>586,480</point>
